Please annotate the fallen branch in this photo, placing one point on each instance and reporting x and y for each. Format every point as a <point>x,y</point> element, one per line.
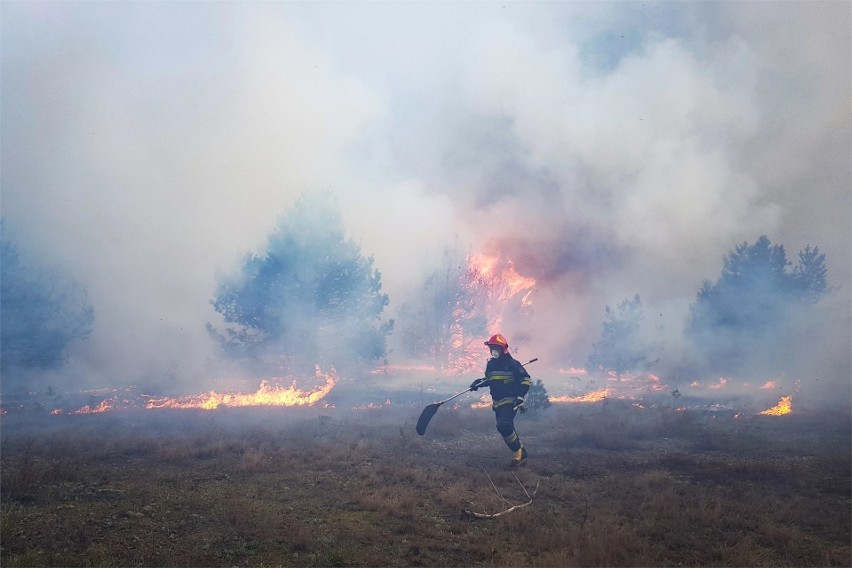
<point>510,509</point>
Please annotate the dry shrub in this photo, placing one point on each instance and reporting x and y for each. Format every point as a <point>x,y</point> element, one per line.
<point>329,555</point>
<point>774,534</point>
<point>609,540</point>
<point>450,422</point>
<point>452,494</point>
<point>404,445</point>
<point>604,436</point>
<point>551,528</point>
<point>253,460</point>
<point>677,423</point>
<point>601,538</point>
<point>202,445</point>
<point>405,502</point>
<point>240,517</point>
<point>652,480</point>
<point>402,474</point>
<point>133,445</point>
<point>711,438</point>
<point>32,558</point>
<point>229,488</point>
<point>97,555</point>
<point>593,427</point>
<point>360,449</point>
<point>10,523</point>
<point>207,448</point>
<point>745,552</point>
<point>176,450</point>
<point>298,536</point>
<point>23,475</point>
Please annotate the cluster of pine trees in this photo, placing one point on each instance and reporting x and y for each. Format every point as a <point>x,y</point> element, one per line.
<point>310,296</point>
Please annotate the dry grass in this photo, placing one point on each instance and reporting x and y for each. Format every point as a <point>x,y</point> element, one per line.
<point>617,486</point>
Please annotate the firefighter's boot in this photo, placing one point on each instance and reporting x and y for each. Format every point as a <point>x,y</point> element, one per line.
<point>519,457</point>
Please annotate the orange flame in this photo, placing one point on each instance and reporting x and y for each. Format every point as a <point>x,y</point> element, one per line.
<point>483,402</point>
<point>594,396</point>
<point>494,282</point>
<point>385,369</point>
<point>373,405</point>
<point>696,384</point>
<point>266,395</point>
<point>503,284</point>
<point>104,406</point>
<point>784,406</point>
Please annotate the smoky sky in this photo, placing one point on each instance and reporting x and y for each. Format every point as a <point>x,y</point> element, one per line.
<point>607,148</point>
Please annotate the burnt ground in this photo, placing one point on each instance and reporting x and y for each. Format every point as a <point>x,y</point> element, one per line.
<point>610,484</point>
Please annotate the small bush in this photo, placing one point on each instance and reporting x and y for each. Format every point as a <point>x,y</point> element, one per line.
<point>22,476</point>
<point>537,399</point>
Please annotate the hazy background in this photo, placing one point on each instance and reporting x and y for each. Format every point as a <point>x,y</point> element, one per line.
<point>607,148</point>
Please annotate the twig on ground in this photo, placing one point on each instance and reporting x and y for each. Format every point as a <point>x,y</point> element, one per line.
<point>510,509</point>
<point>497,491</point>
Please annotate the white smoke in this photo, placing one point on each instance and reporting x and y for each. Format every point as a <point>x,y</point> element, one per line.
<point>608,148</point>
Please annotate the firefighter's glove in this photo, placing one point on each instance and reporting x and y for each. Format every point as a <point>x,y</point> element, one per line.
<point>477,383</point>
<point>519,404</point>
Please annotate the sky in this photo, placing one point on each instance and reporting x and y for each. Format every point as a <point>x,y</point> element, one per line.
<point>606,148</point>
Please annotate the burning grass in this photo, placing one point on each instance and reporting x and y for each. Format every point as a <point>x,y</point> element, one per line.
<point>617,485</point>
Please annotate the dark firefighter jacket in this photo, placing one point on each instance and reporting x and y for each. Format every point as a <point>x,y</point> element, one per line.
<point>507,379</point>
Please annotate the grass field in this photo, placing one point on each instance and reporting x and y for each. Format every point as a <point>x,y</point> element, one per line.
<point>610,485</point>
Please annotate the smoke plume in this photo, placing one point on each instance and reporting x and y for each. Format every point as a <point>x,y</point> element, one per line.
<point>607,149</point>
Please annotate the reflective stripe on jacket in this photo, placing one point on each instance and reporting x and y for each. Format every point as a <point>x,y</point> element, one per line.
<point>508,380</point>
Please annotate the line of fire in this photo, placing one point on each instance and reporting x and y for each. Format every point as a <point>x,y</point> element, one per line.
<point>498,287</point>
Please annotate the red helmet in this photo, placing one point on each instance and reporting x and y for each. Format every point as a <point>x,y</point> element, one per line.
<point>498,340</point>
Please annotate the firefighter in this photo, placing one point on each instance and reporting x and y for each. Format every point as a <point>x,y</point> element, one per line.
<point>509,383</point>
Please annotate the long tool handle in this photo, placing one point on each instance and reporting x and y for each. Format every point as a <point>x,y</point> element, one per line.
<point>430,410</point>
<point>515,408</point>
<point>470,389</point>
<point>456,395</point>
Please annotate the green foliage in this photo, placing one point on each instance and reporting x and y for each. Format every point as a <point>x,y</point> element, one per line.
<point>439,324</point>
<point>43,312</point>
<point>310,298</point>
<point>810,276</point>
<point>537,399</point>
<point>741,317</point>
<point>621,347</point>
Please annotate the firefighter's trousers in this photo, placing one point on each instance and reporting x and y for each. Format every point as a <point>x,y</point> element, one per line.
<point>505,425</point>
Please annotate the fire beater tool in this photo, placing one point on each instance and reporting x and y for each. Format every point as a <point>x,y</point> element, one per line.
<point>430,410</point>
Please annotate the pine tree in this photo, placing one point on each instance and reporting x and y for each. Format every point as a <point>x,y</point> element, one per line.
<point>43,313</point>
<point>621,347</point>
<point>537,399</point>
<point>309,298</point>
<point>741,319</point>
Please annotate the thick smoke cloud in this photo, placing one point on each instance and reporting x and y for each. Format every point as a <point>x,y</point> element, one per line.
<point>607,148</point>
